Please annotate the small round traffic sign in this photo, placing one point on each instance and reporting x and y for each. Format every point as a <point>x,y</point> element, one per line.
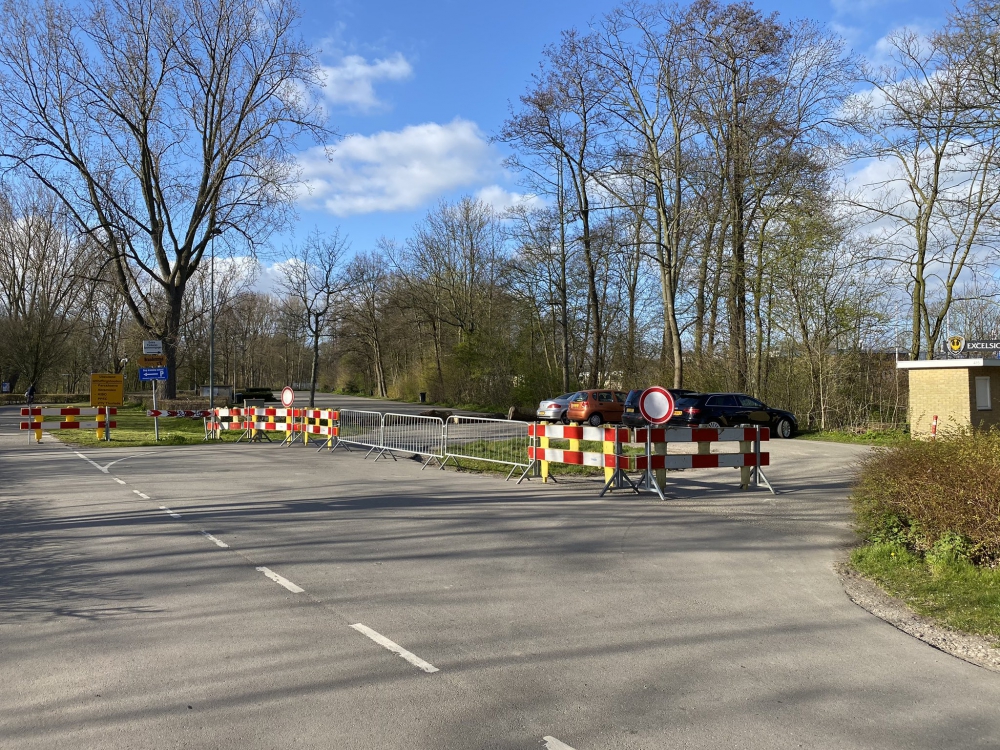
<point>656,405</point>
<point>287,396</point>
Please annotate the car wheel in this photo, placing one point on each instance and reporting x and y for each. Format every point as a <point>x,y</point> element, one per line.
<point>595,420</point>
<point>713,425</point>
<point>783,428</point>
<point>564,419</point>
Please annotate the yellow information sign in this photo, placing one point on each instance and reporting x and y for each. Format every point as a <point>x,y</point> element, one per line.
<point>152,360</point>
<point>107,389</point>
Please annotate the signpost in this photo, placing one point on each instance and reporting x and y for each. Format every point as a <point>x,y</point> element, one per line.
<point>959,345</point>
<point>287,397</point>
<point>107,389</point>
<point>153,360</point>
<point>152,373</point>
<point>656,404</point>
<point>153,367</point>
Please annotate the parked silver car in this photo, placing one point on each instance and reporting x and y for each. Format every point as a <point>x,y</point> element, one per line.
<point>554,409</point>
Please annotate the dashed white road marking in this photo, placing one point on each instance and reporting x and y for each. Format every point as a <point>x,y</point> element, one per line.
<point>95,465</point>
<point>282,581</point>
<point>144,497</point>
<point>551,743</point>
<point>120,481</point>
<point>219,542</point>
<point>395,648</point>
<point>172,514</point>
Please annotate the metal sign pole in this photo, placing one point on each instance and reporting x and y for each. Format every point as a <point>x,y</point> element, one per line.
<point>156,423</point>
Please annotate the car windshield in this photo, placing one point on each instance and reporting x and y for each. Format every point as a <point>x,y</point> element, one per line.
<point>581,396</point>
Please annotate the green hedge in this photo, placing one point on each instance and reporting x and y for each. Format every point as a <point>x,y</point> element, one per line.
<point>9,399</point>
<point>934,494</point>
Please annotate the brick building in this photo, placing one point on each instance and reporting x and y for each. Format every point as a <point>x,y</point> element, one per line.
<point>962,393</point>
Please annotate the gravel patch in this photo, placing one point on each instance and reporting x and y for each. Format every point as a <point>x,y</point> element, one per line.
<point>974,649</point>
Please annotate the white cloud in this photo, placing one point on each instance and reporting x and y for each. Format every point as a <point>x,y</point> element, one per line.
<point>352,81</point>
<point>397,170</point>
<point>501,199</point>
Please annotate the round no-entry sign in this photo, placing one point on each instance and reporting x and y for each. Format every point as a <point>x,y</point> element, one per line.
<point>656,405</point>
<point>287,396</point>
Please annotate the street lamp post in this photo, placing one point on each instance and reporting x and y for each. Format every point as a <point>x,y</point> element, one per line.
<point>211,329</point>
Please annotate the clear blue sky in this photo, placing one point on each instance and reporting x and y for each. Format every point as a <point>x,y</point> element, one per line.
<point>418,89</point>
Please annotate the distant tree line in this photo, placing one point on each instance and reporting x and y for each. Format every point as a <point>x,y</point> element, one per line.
<point>687,223</point>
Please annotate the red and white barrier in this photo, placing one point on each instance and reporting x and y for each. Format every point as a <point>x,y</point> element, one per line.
<point>749,457</point>
<point>36,425</point>
<point>580,458</point>
<point>580,432</point>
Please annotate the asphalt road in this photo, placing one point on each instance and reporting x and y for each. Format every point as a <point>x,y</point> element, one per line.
<point>232,596</point>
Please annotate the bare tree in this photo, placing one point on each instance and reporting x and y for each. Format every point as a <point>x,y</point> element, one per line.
<point>933,206</point>
<point>42,286</point>
<point>769,97</point>
<point>564,114</point>
<point>158,124</point>
<point>646,54</point>
<point>369,282</point>
<point>312,281</point>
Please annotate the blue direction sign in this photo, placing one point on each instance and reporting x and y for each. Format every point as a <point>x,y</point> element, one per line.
<point>152,373</point>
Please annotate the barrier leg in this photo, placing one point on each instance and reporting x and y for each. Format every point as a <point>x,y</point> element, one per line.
<point>758,472</point>
<point>660,449</point>
<point>543,443</point>
<point>38,431</point>
<point>652,483</point>
<point>746,447</point>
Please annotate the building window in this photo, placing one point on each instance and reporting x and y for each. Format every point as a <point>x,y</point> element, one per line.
<point>984,401</point>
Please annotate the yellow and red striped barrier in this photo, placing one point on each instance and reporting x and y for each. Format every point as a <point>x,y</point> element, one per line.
<point>656,440</point>
<point>71,421</point>
<point>322,422</point>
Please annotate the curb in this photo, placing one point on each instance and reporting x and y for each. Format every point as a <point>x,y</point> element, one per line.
<point>974,649</point>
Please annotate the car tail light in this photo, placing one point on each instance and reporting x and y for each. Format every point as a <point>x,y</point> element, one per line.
<point>693,412</point>
<point>553,406</point>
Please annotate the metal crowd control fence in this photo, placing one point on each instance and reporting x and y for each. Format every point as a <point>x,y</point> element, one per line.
<point>362,429</point>
<point>408,433</point>
<point>71,421</point>
<point>498,441</point>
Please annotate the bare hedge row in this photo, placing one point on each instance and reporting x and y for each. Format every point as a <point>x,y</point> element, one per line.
<point>919,492</point>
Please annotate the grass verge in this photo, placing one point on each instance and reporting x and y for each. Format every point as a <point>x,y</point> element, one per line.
<point>135,430</point>
<point>886,438</point>
<point>947,588</point>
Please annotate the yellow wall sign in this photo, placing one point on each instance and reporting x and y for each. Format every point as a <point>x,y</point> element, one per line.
<point>107,389</point>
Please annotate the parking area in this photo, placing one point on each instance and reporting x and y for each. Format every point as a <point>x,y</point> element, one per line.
<point>254,596</point>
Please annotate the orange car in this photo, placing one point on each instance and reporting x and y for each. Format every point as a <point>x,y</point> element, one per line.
<point>596,406</point>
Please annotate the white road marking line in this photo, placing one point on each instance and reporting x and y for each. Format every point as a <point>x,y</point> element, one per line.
<point>551,743</point>
<point>144,497</point>
<point>172,514</point>
<point>96,466</point>
<point>395,648</point>
<point>217,541</point>
<point>120,481</point>
<point>281,580</point>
